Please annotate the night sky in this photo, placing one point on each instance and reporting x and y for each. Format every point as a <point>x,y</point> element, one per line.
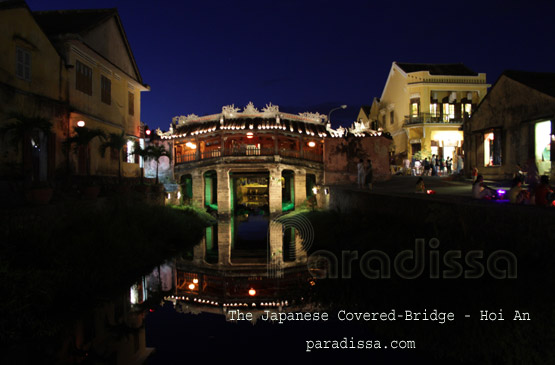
<point>314,55</point>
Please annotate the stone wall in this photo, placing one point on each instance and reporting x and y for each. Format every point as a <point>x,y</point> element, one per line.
<point>341,156</point>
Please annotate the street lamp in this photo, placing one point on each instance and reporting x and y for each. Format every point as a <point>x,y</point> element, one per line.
<point>334,109</point>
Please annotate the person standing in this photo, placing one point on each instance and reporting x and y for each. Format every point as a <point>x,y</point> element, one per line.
<point>360,173</point>
<point>449,163</point>
<point>426,167</point>
<point>433,165</point>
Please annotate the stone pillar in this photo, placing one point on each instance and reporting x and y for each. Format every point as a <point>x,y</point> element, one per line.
<point>198,188</point>
<point>275,249</point>
<point>275,191</point>
<point>224,203</point>
<point>199,252</point>
<point>224,242</point>
<point>300,187</point>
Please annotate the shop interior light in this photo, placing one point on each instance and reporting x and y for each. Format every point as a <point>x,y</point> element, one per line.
<point>81,123</point>
<point>192,286</point>
<point>311,144</point>
<point>252,292</point>
<point>250,135</point>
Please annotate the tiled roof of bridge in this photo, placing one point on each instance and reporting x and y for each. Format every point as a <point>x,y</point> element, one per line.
<point>254,124</point>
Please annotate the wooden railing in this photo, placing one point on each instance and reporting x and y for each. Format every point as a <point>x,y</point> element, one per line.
<point>191,156</point>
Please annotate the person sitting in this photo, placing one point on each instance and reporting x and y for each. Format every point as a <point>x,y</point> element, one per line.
<point>517,195</point>
<point>480,190</point>
<point>543,190</point>
<point>420,187</point>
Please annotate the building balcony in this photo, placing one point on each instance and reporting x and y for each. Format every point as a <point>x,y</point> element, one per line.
<point>428,118</point>
<point>244,151</point>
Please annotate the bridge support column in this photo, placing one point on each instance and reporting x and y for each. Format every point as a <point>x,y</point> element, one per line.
<point>224,203</point>
<point>275,191</point>
<point>300,187</point>
<point>198,189</point>
<point>224,242</point>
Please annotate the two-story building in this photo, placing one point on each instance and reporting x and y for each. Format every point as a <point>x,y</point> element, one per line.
<point>103,81</point>
<point>423,107</point>
<point>73,68</point>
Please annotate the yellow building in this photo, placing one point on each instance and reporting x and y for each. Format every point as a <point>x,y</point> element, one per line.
<point>30,74</point>
<point>103,79</point>
<point>67,66</point>
<point>423,107</point>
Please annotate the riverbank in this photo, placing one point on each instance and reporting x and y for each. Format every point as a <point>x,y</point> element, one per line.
<point>56,263</point>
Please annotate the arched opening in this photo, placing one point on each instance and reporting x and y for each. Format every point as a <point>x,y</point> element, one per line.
<point>287,190</point>
<point>249,221</point>
<point>211,190</point>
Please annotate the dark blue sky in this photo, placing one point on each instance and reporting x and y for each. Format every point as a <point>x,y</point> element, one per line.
<point>311,55</point>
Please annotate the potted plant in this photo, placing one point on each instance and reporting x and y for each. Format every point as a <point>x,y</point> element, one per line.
<point>80,141</point>
<point>30,132</point>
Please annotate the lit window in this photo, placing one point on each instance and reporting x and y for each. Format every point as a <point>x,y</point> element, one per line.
<point>414,107</point>
<point>130,155</point>
<point>492,148</point>
<point>23,64</point>
<point>105,90</point>
<point>466,108</point>
<point>83,78</point>
<point>448,112</point>
<point>433,110</point>
<point>141,160</point>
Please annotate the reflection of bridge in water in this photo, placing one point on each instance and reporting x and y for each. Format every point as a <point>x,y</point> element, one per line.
<point>222,272</point>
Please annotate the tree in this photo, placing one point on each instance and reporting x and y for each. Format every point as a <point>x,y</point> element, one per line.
<point>155,153</point>
<point>115,141</point>
<point>29,131</point>
<point>81,140</point>
<point>138,150</point>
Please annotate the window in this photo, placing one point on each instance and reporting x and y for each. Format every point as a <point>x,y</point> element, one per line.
<point>131,102</point>
<point>23,64</point>
<point>129,156</point>
<point>433,110</point>
<point>492,148</point>
<point>105,90</point>
<point>83,78</point>
<point>414,107</point>
<point>448,112</point>
<point>466,108</point>
<point>391,117</point>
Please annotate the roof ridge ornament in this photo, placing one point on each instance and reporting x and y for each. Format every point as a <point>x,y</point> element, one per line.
<point>230,110</point>
<point>270,109</point>
<point>250,109</point>
<point>314,116</point>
